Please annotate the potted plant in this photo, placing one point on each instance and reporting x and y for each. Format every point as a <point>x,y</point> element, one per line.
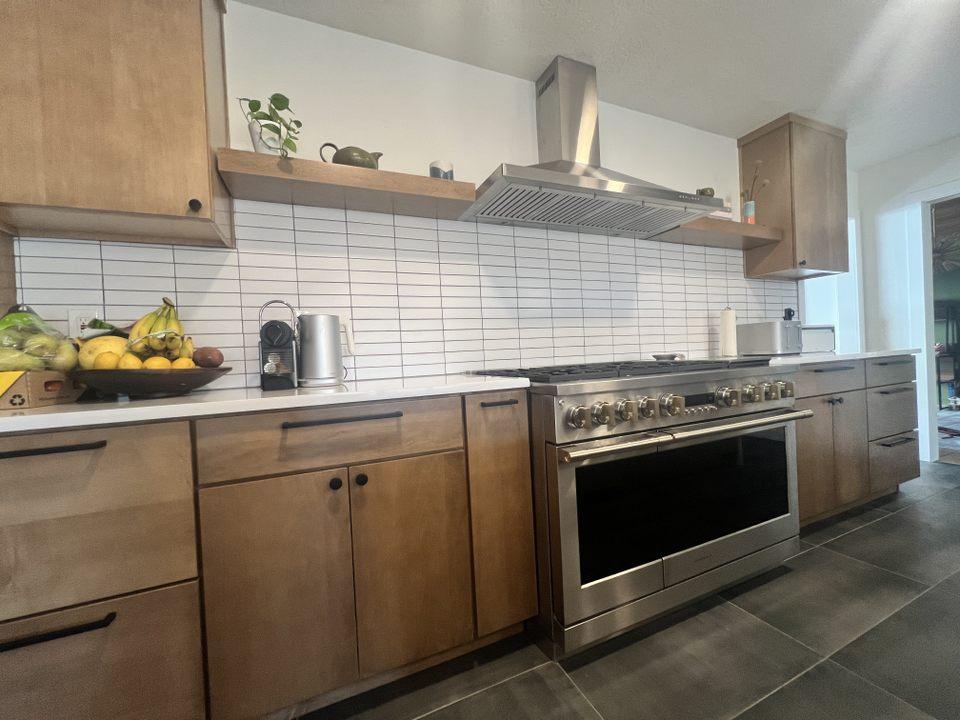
<point>750,196</point>
<point>270,130</point>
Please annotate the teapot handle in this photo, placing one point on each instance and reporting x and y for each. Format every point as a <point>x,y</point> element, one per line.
<point>326,145</point>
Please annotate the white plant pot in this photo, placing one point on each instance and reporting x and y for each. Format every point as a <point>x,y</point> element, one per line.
<point>258,144</point>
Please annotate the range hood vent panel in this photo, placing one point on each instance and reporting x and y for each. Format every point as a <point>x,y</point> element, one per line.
<point>569,189</point>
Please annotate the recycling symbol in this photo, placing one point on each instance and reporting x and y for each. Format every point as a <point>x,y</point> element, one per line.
<point>18,400</point>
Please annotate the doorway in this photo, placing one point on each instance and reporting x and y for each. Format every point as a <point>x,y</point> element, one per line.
<point>945,245</point>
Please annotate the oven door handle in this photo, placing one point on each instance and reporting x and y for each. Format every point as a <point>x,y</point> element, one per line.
<point>567,455</point>
<point>697,433</point>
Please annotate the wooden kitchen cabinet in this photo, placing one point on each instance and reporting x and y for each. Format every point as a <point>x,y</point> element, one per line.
<point>135,657</point>
<point>278,591</point>
<point>805,162</point>
<point>850,450</point>
<point>501,509</point>
<point>127,103</point>
<point>411,559</point>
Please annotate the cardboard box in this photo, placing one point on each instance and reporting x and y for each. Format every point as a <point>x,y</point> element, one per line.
<point>20,390</point>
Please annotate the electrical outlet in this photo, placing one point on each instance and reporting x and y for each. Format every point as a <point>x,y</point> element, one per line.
<point>78,319</point>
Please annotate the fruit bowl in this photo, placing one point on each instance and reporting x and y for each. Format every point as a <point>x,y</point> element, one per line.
<point>148,383</point>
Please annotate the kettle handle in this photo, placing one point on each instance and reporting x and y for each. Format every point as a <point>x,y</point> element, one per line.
<point>324,147</point>
<point>347,328</point>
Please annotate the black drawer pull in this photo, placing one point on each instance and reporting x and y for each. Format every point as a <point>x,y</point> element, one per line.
<point>340,421</point>
<point>52,450</point>
<point>895,391</point>
<point>57,634</point>
<point>498,403</point>
<point>898,441</point>
<point>835,369</point>
<point>895,362</point>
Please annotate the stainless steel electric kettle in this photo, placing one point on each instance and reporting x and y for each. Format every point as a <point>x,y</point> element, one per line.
<point>320,355</point>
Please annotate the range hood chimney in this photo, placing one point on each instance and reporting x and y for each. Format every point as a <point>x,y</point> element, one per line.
<point>569,189</point>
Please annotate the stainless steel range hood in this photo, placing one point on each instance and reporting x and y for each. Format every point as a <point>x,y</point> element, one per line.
<point>569,189</point>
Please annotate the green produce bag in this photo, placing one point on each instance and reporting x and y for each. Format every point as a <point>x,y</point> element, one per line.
<point>27,342</point>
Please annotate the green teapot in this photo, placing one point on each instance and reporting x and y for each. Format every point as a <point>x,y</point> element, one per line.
<point>358,157</point>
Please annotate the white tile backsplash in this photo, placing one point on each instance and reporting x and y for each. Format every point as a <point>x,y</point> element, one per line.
<point>426,297</point>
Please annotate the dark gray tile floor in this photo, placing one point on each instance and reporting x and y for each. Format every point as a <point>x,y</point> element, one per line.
<point>863,624</point>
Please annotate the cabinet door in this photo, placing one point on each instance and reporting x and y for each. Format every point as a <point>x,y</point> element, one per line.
<point>501,509</point>
<point>411,559</point>
<point>278,591</point>
<point>116,88</point>
<point>815,458</point>
<point>819,198</point>
<point>850,449</point>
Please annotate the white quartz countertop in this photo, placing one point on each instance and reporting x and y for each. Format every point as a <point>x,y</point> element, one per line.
<point>808,358</point>
<point>231,402</point>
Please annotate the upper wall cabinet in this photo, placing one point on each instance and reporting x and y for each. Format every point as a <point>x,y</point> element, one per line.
<point>806,164</point>
<point>121,104</point>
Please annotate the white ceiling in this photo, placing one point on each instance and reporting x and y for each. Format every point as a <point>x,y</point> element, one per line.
<point>887,71</point>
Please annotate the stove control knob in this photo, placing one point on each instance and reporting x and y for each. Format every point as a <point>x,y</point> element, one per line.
<point>671,404</point>
<point>769,391</point>
<point>577,416</point>
<point>786,388</point>
<point>602,413</point>
<point>647,407</point>
<point>627,410</point>
<point>728,396</point>
<point>750,394</point>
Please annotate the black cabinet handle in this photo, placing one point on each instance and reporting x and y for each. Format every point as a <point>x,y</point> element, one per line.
<point>53,450</point>
<point>336,483</point>
<point>338,421</point>
<point>803,262</point>
<point>835,401</point>
<point>895,362</point>
<point>498,403</point>
<point>362,479</point>
<point>898,441</point>
<point>895,391</point>
<point>834,369</point>
<point>57,634</point>
<point>195,204</point>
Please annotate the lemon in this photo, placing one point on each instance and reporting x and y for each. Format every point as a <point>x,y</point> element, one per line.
<point>183,364</point>
<point>129,361</point>
<point>106,361</point>
<point>157,363</point>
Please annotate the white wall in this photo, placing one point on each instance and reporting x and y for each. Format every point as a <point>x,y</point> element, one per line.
<point>897,279</point>
<point>415,107</point>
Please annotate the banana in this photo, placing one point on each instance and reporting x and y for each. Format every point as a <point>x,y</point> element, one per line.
<point>186,349</point>
<point>159,331</point>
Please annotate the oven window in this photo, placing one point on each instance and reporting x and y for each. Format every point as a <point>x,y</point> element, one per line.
<point>636,510</point>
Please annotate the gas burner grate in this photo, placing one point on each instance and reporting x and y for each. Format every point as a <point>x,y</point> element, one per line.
<point>628,368</point>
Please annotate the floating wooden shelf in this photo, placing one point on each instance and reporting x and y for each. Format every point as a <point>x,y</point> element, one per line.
<point>258,176</point>
<point>714,232</point>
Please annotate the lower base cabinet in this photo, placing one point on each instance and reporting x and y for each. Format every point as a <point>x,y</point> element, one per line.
<point>278,591</point>
<point>411,559</point>
<point>893,460</point>
<point>137,657</point>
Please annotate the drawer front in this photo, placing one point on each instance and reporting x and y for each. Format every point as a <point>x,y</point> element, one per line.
<point>247,446</point>
<point>891,410</point>
<point>831,377</point>
<point>890,370</point>
<point>94,513</point>
<point>894,460</point>
<point>135,658</point>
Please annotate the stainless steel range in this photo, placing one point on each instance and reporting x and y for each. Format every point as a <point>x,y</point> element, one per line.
<point>656,483</point>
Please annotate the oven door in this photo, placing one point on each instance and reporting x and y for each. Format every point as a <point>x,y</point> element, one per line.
<point>635,514</point>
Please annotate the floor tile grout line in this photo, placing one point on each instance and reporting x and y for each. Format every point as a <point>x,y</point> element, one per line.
<point>877,567</point>
<point>878,687</point>
<point>779,688</point>
<point>580,690</point>
<point>480,690</point>
<point>774,627</point>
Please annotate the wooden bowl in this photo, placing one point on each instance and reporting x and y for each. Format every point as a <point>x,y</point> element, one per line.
<point>148,383</point>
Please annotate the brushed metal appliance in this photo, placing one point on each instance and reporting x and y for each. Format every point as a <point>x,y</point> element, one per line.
<point>569,189</point>
<point>771,337</point>
<point>319,350</point>
<point>655,484</point>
